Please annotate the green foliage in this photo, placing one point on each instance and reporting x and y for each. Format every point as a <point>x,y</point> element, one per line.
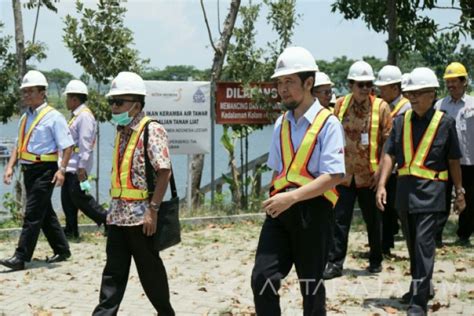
<point>9,95</point>
<point>100,43</point>
<point>99,106</point>
<point>12,208</point>
<point>176,73</point>
<point>58,79</point>
<point>31,4</point>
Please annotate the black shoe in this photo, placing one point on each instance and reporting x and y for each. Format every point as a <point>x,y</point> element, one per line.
<point>386,252</point>
<point>332,271</point>
<point>71,234</point>
<point>406,298</point>
<point>463,242</point>
<point>415,311</point>
<point>375,268</point>
<point>439,244</point>
<point>58,257</point>
<point>13,263</point>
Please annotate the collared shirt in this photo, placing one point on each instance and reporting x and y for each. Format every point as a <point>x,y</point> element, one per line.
<point>83,131</point>
<point>417,195</point>
<point>328,154</point>
<point>50,134</point>
<point>356,122</point>
<point>462,111</point>
<point>130,213</point>
<point>404,108</point>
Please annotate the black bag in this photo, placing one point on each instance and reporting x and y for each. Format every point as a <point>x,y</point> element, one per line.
<point>168,229</point>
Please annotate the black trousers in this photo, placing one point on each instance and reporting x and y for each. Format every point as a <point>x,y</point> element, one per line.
<point>389,215</point>
<point>420,230</point>
<point>466,218</point>
<point>123,243</point>
<point>39,213</point>
<point>372,217</point>
<point>73,199</point>
<point>443,217</point>
<point>298,236</point>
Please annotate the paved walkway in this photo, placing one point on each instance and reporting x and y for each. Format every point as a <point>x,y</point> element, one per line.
<point>209,274</point>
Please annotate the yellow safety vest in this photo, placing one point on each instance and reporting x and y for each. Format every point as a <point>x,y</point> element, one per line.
<point>398,106</point>
<point>24,139</point>
<point>294,171</point>
<point>73,118</point>
<point>122,186</point>
<point>374,128</point>
<point>414,165</point>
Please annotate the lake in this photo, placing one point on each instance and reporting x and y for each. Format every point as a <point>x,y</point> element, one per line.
<point>259,143</point>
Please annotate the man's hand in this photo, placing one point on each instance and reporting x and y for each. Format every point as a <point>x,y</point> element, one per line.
<point>8,174</point>
<point>459,204</point>
<point>81,174</point>
<point>381,198</point>
<point>58,178</point>
<point>149,222</point>
<point>278,203</point>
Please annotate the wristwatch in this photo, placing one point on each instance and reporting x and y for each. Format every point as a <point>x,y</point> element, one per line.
<point>63,170</point>
<point>154,206</point>
<point>460,191</point>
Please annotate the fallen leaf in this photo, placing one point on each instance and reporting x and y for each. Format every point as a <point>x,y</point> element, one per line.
<point>390,310</point>
<point>470,294</point>
<point>390,268</point>
<point>202,289</point>
<point>461,269</point>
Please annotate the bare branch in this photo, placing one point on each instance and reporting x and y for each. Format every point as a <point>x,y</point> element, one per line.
<point>219,17</point>
<point>207,26</point>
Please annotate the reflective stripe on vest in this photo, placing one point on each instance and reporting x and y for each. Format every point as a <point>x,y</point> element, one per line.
<point>73,118</point>
<point>122,186</point>
<point>398,106</point>
<point>415,164</point>
<point>374,128</point>
<point>23,139</point>
<point>295,166</point>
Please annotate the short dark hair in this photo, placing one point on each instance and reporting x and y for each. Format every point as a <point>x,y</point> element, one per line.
<point>41,88</point>
<point>305,75</point>
<point>81,97</point>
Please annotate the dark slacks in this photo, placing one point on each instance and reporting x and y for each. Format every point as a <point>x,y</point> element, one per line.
<point>389,215</point>
<point>466,218</point>
<point>74,199</point>
<point>298,236</point>
<point>443,217</point>
<point>123,243</point>
<point>343,212</point>
<point>420,230</point>
<point>39,213</point>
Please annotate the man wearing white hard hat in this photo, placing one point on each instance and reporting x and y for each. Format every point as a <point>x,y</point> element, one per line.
<point>367,123</point>
<point>323,89</point>
<point>133,212</point>
<point>307,156</point>
<point>389,83</point>
<point>460,106</point>
<point>42,134</point>
<point>424,145</point>
<point>74,192</point>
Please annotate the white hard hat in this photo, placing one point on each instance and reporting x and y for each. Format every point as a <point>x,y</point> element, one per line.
<point>127,83</point>
<point>421,78</point>
<point>361,71</point>
<point>294,60</point>
<point>389,74</point>
<point>33,78</point>
<point>76,86</point>
<point>322,79</point>
<point>333,98</point>
<point>405,78</point>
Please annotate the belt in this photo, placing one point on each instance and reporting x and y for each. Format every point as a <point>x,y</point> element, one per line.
<point>38,165</point>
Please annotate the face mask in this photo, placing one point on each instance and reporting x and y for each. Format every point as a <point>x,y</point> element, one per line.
<point>122,119</point>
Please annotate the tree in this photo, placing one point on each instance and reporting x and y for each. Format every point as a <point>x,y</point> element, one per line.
<point>178,72</point>
<point>407,29</point>
<point>31,4</point>
<point>9,95</point>
<point>58,79</point>
<point>100,43</point>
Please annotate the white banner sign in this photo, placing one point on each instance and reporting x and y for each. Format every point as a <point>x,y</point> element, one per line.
<point>183,108</point>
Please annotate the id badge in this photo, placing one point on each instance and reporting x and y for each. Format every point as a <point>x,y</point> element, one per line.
<point>364,138</point>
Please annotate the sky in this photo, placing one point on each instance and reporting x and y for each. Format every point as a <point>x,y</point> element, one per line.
<point>173,32</point>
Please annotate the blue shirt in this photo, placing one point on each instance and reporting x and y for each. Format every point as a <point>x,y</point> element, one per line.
<point>50,134</point>
<point>404,108</point>
<point>328,154</point>
<point>83,131</point>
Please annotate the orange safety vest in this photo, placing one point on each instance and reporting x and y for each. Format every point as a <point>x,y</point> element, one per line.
<point>23,140</point>
<point>374,128</point>
<point>122,186</point>
<point>73,118</point>
<point>295,171</point>
<point>398,106</point>
<point>414,165</point>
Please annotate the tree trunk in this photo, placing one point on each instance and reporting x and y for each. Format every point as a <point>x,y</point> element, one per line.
<point>392,32</point>
<point>36,21</point>
<point>19,39</point>
<point>218,62</point>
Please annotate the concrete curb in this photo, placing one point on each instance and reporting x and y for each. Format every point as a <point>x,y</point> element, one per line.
<point>185,222</point>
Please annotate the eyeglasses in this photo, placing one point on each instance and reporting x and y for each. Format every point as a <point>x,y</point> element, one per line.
<point>324,92</point>
<point>119,102</point>
<point>418,93</point>
<point>362,84</point>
